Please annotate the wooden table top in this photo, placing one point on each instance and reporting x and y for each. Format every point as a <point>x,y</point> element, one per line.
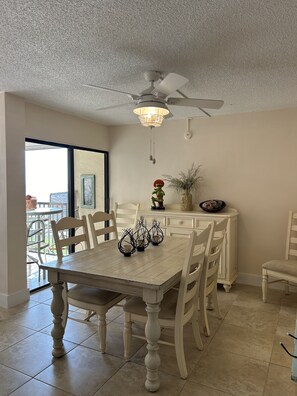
<point>152,267</point>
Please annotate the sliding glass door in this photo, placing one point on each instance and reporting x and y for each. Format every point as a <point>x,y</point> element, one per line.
<point>60,181</point>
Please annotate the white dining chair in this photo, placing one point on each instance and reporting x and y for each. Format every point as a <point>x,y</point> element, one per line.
<point>126,215</point>
<point>36,244</point>
<point>178,307</point>
<point>208,299</point>
<point>71,231</point>
<point>283,270</point>
<point>102,225</point>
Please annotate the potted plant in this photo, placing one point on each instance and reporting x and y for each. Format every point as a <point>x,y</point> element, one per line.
<point>185,183</point>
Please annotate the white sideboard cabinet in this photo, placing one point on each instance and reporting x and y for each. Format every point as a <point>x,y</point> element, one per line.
<point>177,223</point>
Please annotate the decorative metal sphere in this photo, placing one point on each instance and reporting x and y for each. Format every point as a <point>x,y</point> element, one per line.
<point>141,235</point>
<point>127,244</point>
<point>156,233</point>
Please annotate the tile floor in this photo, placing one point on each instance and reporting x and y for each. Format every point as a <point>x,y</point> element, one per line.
<point>242,356</point>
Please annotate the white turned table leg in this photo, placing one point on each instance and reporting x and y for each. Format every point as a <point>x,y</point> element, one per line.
<point>57,308</point>
<point>152,359</point>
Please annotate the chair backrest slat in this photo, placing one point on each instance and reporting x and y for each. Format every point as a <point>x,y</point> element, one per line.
<point>212,256</point>
<point>62,233</point>
<point>291,242</point>
<point>190,278</point>
<point>126,215</point>
<point>99,229</point>
<point>293,253</point>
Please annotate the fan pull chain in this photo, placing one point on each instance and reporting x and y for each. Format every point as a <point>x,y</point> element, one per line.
<point>152,146</point>
<point>151,156</point>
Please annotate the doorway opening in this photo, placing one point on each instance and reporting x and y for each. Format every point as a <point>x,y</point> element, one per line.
<point>61,181</point>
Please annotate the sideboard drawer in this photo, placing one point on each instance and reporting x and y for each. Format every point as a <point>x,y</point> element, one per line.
<point>202,223</point>
<point>178,232</point>
<point>183,222</point>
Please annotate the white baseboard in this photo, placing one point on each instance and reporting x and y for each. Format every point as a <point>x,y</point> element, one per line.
<point>11,300</point>
<point>256,280</point>
<point>249,279</point>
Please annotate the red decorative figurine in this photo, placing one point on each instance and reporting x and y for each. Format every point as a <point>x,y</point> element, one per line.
<point>159,194</point>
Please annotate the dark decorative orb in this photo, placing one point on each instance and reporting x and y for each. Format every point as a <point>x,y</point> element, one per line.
<point>141,235</point>
<point>156,233</point>
<point>127,244</point>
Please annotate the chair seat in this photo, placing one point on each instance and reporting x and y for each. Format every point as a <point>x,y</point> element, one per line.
<point>92,295</point>
<point>288,267</point>
<point>137,306</point>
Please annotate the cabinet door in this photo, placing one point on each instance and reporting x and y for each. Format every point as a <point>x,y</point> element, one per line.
<point>223,259</point>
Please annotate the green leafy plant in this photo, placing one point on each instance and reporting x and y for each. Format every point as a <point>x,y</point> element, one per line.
<point>186,181</point>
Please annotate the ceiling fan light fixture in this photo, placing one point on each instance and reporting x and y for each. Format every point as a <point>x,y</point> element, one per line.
<point>151,114</point>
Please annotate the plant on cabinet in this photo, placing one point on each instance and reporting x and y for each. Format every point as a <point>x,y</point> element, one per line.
<point>185,183</point>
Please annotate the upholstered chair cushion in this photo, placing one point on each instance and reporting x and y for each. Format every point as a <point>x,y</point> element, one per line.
<point>91,295</point>
<point>288,267</point>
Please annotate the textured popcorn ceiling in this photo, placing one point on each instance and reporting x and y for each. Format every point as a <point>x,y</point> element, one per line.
<point>241,51</point>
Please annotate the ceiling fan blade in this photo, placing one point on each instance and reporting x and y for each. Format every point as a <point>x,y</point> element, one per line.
<point>114,106</point>
<point>131,95</point>
<point>170,84</point>
<point>203,103</point>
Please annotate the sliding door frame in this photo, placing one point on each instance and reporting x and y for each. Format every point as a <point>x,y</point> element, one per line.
<point>70,151</point>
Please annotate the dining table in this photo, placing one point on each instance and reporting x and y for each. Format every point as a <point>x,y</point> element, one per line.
<point>147,274</point>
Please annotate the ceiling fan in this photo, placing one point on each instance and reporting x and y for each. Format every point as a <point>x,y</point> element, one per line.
<point>151,104</point>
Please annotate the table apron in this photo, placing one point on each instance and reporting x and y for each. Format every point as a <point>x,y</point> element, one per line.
<point>152,295</point>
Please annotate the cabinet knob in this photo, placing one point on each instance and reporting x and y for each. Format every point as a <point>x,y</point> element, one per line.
<point>181,222</point>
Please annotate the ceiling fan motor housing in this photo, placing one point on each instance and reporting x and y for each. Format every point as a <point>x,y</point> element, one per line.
<point>152,75</point>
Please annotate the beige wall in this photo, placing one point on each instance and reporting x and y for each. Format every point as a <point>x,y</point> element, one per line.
<point>89,163</point>
<point>248,160</point>
<point>19,120</point>
<point>47,124</point>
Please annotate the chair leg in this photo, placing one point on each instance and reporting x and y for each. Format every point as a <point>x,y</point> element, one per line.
<point>39,255</point>
<point>203,316</point>
<point>216,307</point>
<point>264,286</point>
<point>45,259</point>
<point>127,335</point>
<point>179,351</point>
<point>209,305</point>
<point>102,332</point>
<point>89,315</point>
<point>196,331</point>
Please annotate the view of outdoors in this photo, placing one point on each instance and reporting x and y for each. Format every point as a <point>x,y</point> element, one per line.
<point>46,172</point>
